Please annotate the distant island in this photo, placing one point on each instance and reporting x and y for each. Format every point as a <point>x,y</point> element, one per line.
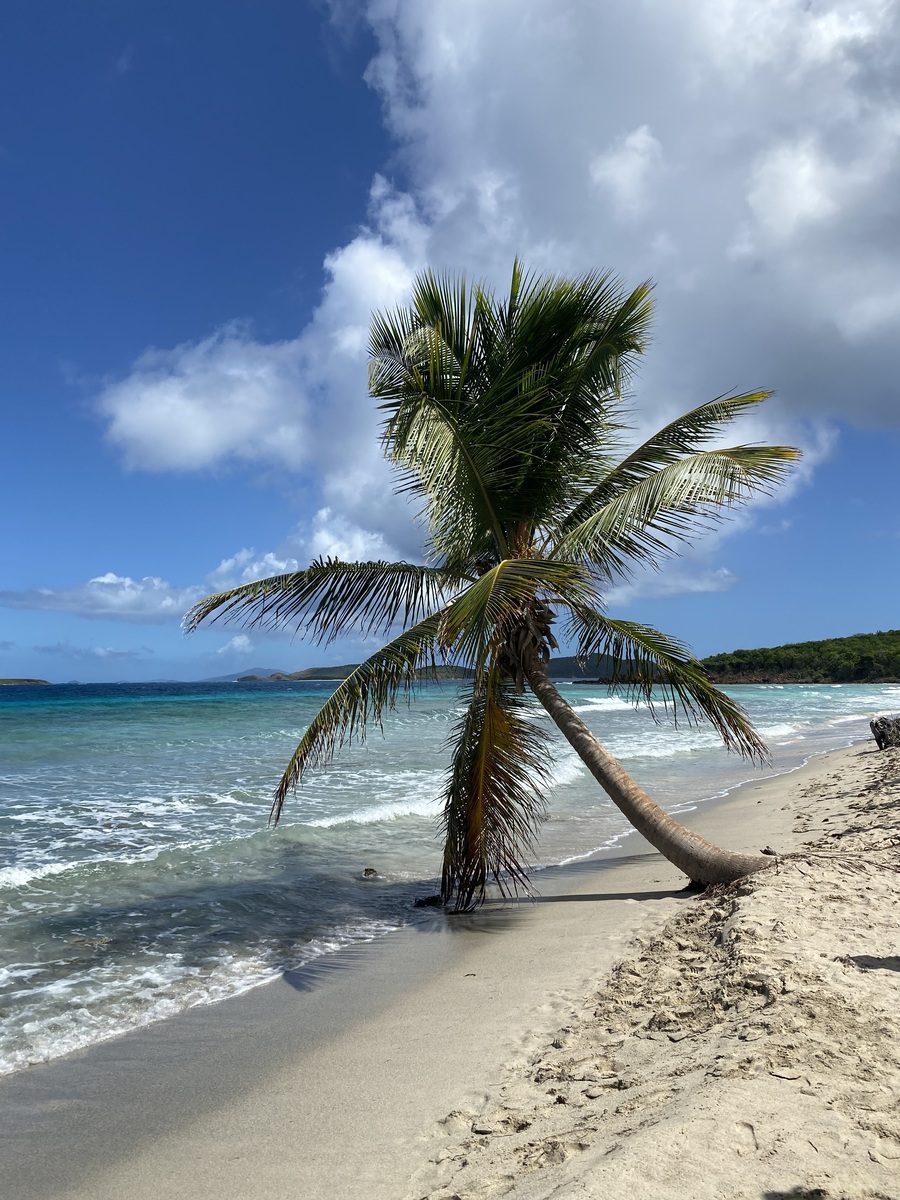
<point>862,658</point>
<point>19,682</point>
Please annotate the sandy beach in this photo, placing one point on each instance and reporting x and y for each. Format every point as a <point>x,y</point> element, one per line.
<point>616,1037</point>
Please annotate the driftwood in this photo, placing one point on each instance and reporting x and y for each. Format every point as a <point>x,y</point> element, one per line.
<point>886,731</point>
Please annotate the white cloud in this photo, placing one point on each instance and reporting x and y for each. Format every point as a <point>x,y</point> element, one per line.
<point>296,403</point>
<point>239,644</point>
<point>154,601</point>
<point>770,125</point>
<point>781,136</point>
<point>746,37</point>
<point>150,600</point>
<point>227,396</point>
<point>627,171</point>
<point>676,579</point>
<point>300,404</point>
<point>334,536</point>
<point>125,61</point>
<point>246,565</point>
<point>794,185</point>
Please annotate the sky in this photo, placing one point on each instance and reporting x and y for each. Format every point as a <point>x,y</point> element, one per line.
<point>202,204</point>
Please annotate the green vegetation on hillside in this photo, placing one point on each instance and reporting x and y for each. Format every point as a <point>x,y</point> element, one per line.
<point>9,682</point>
<point>862,658</point>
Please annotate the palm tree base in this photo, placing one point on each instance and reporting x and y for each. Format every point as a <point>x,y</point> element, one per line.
<point>702,862</point>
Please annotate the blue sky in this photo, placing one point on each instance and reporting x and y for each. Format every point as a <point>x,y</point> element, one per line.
<point>202,204</point>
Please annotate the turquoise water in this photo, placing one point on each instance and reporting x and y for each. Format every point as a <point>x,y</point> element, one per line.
<point>138,876</point>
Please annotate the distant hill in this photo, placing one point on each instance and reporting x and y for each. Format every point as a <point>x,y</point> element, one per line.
<point>326,673</point>
<point>14,682</point>
<point>862,658</point>
<point>596,670</point>
<point>258,672</point>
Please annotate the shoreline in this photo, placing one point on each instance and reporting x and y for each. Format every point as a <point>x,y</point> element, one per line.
<point>81,1037</point>
<point>620,845</point>
<point>335,1079</point>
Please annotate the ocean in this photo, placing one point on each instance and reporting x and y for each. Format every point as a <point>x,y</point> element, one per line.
<point>138,876</point>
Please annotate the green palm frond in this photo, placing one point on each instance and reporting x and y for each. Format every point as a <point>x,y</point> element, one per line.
<point>663,672</point>
<point>427,441</point>
<point>681,438</point>
<point>360,701</point>
<point>645,522</point>
<point>421,359</point>
<point>474,623</point>
<point>333,598</point>
<point>494,412</point>
<point>495,796</point>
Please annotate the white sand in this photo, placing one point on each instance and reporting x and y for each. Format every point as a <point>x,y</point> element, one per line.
<point>731,1055</point>
<point>751,1048</point>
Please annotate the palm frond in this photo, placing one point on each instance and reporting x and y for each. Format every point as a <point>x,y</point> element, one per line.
<point>662,671</point>
<point>495,411</point>
<point>494,800</point>
<point>684,436</point>
<point>475,622</point>
<point>645,522</point>
<point>332,598</point>
<point>359,701</point>
<point>421,359</point>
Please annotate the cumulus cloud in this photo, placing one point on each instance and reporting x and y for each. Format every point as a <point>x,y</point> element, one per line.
<point>246,565</point>
<point>751,173</point>
<point>677,579</point>
<point>744,153</point>
<point>334,536</point>
<point>225,396</point>
<point>151,600</point>
<point>299,404</point>
<point>240,644</point>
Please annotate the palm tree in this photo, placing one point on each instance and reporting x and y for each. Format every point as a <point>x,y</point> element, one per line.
<point>504,419</point>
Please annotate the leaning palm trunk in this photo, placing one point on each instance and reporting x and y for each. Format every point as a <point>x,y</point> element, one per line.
<point>701,861</point>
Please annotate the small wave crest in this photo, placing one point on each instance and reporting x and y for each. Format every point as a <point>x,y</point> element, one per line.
<point>606,704</point>
<point>392,810</point>
<point>566,769</point>
<point>777,731</point>
<point>15,877</point>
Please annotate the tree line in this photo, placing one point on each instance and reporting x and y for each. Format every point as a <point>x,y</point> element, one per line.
<point>862,658</point>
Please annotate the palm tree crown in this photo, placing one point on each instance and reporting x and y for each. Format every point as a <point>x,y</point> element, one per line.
<point>505,418</point>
